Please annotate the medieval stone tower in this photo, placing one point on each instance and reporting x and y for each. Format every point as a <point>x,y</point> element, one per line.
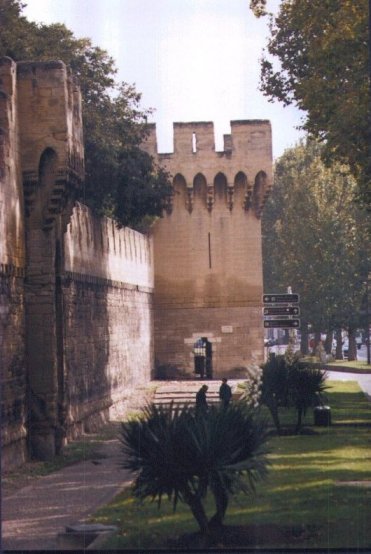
<point>207,248</point>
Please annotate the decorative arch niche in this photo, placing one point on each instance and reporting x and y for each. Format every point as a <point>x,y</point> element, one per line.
<point>241,190</point>
<point>181,196</point>
<point>221,188</point>
<point>258,196</point>
<point>200,190</point>
<point>37,202</point>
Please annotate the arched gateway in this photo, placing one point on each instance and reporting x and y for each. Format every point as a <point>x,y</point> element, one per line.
<point>207,248</point>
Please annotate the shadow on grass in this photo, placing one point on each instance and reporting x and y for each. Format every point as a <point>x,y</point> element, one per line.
<point>300,505</point>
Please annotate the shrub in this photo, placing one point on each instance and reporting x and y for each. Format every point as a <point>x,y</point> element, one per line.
<point>306,384</point>
<point>285,384</point>
<point>251,389</point>
<point>275,387</point>
<point>180,454</point>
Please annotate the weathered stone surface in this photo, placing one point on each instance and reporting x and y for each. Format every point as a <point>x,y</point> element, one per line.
<point>207,248</point>
<point>76,293</point>
<point>78,314</point>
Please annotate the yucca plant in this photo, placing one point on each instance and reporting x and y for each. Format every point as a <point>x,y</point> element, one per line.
<point>275,387</point>
<point>306,383</point>
<point>180,454</point>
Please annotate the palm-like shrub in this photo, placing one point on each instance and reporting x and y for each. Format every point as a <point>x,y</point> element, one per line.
<point>275,386</point>
<point>285,383</point>
<point>306,384</point>
<point>182,455</point>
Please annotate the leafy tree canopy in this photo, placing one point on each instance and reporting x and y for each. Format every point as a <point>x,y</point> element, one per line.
<point>315,239</point>
<point>317,58</point>
<point>122,181</point>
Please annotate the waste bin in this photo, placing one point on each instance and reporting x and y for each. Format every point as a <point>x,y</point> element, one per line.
<point>322,416</point>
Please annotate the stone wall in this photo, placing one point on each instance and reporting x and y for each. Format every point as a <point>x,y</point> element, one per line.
<point>207,249</point>
<point>107,292</point>
<point>12,272</point>
<point>76,293</point>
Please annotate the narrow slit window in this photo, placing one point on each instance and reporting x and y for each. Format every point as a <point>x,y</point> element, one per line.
<point>194,143</point>
<point>209,243</point>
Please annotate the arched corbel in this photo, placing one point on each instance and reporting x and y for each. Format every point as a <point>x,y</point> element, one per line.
<point>190,199</point>
<point>210,197</point>
<point>230,196</point>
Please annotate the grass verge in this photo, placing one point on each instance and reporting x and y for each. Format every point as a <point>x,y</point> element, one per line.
<point>317,494</point>
<point>359,365</point>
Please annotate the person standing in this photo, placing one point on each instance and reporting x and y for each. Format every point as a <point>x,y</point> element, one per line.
<point>201,402</point>
<point>225,393</point>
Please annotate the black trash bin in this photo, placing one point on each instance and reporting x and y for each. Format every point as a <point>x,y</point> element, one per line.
<point>322,416</point>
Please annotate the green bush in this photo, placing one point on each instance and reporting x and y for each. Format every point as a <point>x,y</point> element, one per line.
<point>181,455</point>
<point>305,384</point>
<point>285,384</point>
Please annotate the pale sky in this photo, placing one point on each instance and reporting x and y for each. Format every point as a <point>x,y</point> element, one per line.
<point>192,60</point>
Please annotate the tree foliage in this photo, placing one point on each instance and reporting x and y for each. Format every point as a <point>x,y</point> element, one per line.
<point>122,181</point>
<point>181,454</point>
<point>316,239</point>
<point>317,58</point>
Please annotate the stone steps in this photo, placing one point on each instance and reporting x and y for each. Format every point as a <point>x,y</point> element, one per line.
<point>183,393</point>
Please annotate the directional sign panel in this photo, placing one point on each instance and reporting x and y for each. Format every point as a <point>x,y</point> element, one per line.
<point>282,324</point>
<point>281,310</point>
<point>280,298</point>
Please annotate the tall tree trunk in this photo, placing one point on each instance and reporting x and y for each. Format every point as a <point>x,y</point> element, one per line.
<point>299,421</point>
<point>352,353</point>
<point>304,338</point>
<point>328,342</point>
<point>317,338</point>
<point>339,345</point>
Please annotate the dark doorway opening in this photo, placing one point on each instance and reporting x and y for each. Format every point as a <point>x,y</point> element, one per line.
<point>203,358</point>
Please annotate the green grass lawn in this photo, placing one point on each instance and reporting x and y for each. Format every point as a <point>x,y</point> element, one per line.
<point>356,364</point>
<point>306,502</point>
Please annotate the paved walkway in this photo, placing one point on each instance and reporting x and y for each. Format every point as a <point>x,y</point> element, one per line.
<point>33,516</point>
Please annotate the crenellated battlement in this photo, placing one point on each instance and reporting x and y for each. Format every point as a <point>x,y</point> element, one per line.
<point>198,138</point>
<point>243,166</point>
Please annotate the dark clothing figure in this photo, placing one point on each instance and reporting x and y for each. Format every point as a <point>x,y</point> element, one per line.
<point>200,366</point>
<point>201,402</point>
<point>225,393</point>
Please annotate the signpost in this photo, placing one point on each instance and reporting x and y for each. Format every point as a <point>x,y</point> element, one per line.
<point>281,310</point>
<point>281,298</point>
<point>281,323</point>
